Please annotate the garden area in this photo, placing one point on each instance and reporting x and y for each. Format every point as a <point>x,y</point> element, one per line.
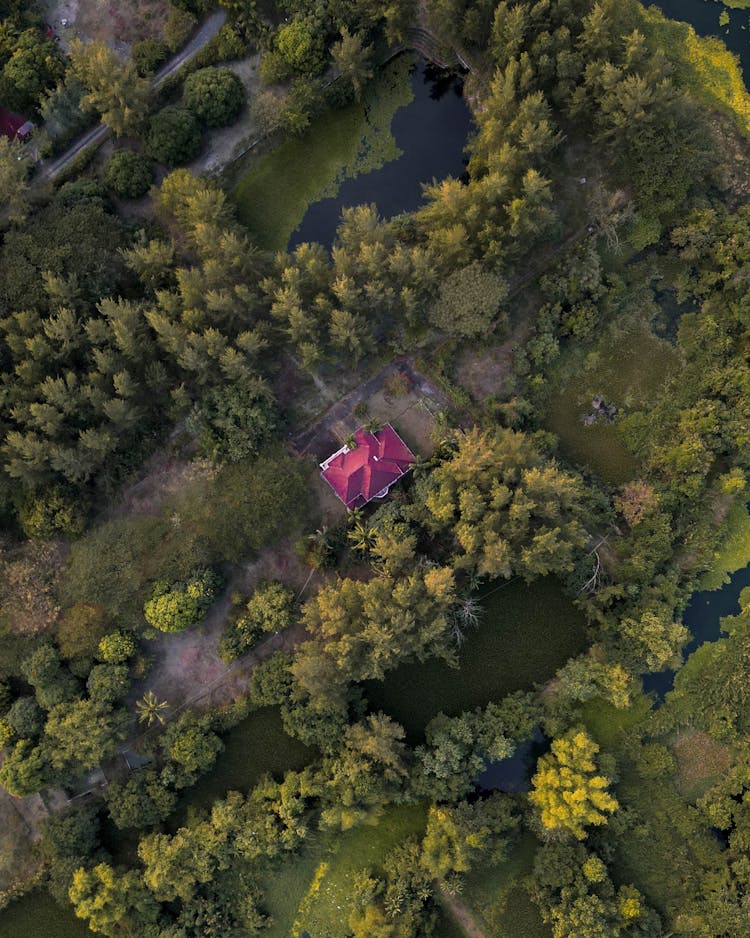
<point>627,366</point>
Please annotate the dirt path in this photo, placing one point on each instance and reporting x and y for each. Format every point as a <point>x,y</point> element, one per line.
<point>461,915</point>
<point>97,135</point>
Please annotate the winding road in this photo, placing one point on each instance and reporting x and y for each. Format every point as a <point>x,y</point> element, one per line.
<point>97,135</point>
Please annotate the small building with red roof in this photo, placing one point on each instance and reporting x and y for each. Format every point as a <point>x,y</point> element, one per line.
<point>367,470</point>
<point>13,126</point>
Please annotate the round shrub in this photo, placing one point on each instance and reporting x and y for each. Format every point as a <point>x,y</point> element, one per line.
<point>174,608</point>
<point>215,95</point>
<point>174,136</point>
<point>26,717</point>
<point>269,609</point>
<point>128,174</point>
<point>116,647</point>
<point>108,683</point>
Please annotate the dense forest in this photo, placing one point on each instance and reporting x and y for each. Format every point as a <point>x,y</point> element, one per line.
<point>130,333</point>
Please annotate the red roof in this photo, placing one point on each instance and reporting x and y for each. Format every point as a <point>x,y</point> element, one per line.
<point>13,125</point>
<point>370,469</point>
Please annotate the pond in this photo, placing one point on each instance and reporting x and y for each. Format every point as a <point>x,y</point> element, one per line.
<point>431,133</point>
<point>513,775</point>
<point>411,127</point>
<point>526,634</point>
<point>703,16</point>
<point>703,616</point>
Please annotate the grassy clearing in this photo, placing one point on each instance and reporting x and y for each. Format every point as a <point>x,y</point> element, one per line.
<point>322,910</point>
<point>626,367</point>
<point>37,915</point>
<point>284,887</point>
<point>256,746</point>
<point>527,633</point>
<point>701,762</point>
<point>607,724</point>
<point>703,65</point>
<point>734,553</point>
<point>499,902</point>
<point>274,194</point>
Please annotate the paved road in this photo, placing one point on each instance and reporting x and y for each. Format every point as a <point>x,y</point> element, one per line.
<point>97,135</point>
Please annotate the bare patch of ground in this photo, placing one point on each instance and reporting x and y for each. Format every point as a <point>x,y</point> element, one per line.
<point>227,144</point>
<point>487,372</point>
<point>461,915</point>
<point>411,412</point>
<point>188,666</point>
<point>700,760</point>
<point>121,22</point>
<point>18,826</point>
<point>164,477</point>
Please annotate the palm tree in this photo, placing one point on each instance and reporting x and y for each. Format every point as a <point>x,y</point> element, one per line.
<point>373,425</point>
<point>319,552</point>
<point>150,709</point>
<point>361,536</point>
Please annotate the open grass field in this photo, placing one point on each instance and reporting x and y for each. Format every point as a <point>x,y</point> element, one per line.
<point>526,634</point>
<point>734,553</point>
<point>626,367</point>
<point>309,892</point>
<point>496,899</point>
<point>37,915</point>
<point>701,762</point>
<point>277,188</point>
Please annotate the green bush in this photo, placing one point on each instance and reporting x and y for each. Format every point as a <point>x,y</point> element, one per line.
<point>302,47</point>
<point>117,647</point>
<point>175,607</point>
<point>148,55</point>
<point>51,514</point>
<point>214,95</point>
<point>116,565</point>
<point>26,717</point>
<point>269,609</point>
<point>174,136</point>
<point>232,423</point>
<point>128,174</point>
<point>248,506</point>
<point>108,683</point>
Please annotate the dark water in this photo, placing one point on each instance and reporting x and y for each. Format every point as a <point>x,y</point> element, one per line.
<point>703,616</point>
<point>704,17</point>
<point>431,131</point>
<point>513,774</point>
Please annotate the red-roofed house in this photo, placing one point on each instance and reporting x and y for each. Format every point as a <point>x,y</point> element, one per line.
<point>13,125</point>
<point>369,469</point>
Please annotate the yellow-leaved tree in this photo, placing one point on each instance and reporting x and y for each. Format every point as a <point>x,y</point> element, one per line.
<point>568,790</point>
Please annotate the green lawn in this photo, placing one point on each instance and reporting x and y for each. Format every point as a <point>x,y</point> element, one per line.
<point>607,724</point>
<point>323,909</point>
<point>627,366</point>
<point>497,900</point>
<point>526,634</point>
<point>734,553</point>
<point>37,915</point>
<point>285,885</point>
<point>273,195</point>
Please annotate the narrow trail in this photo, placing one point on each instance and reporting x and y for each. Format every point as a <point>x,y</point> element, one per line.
<point>461,915</point>
<point>97,135</point>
